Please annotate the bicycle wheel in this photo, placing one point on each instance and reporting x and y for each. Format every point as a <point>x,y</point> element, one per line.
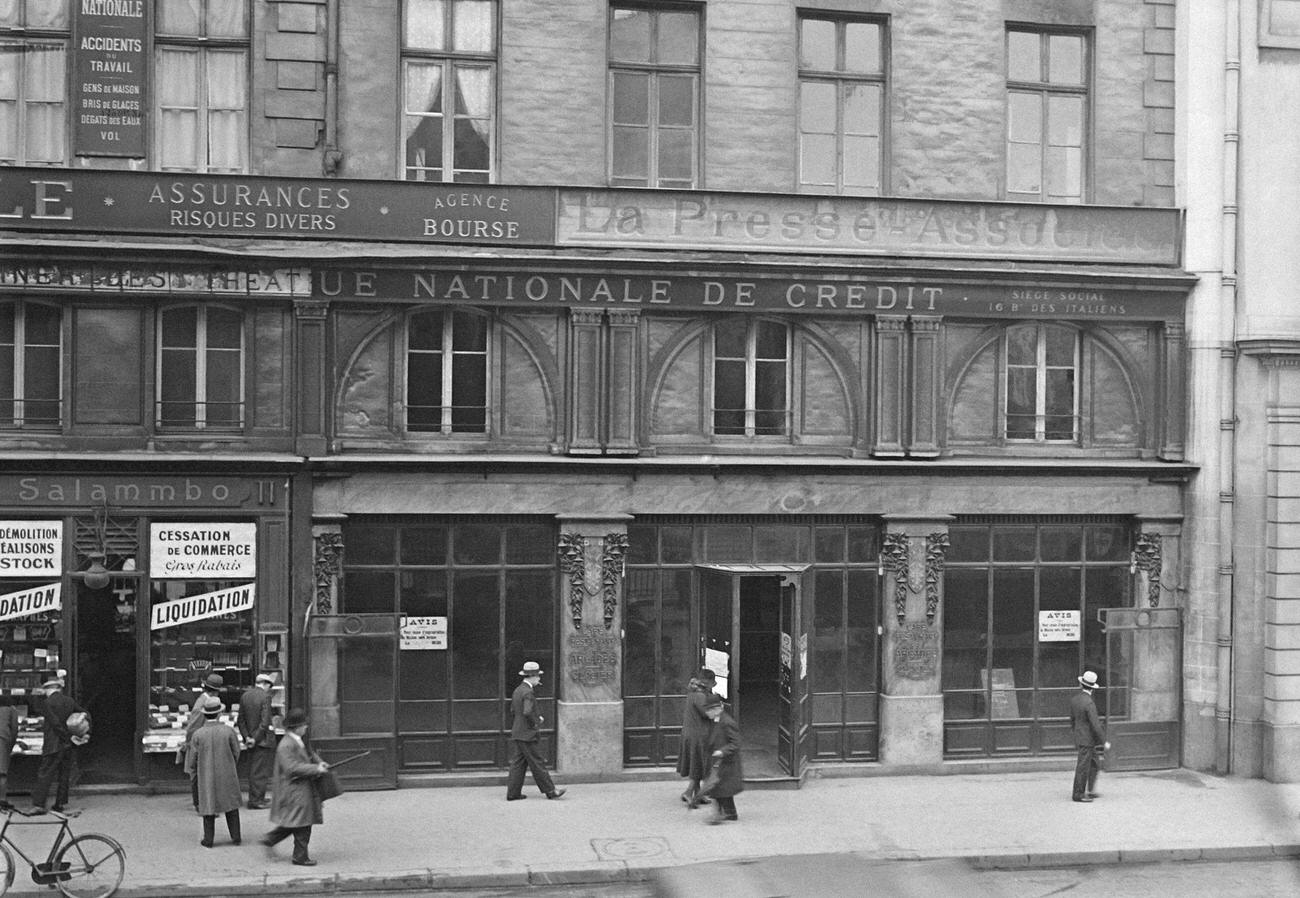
<point>95,866</point>
<point>6,875</point>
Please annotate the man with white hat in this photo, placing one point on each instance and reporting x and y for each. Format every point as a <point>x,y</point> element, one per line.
<point>254,724</point>
<point>524,736</point>
<point>1089,738</point>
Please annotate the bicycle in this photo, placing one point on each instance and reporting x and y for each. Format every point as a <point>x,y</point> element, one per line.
<point>86,866</point>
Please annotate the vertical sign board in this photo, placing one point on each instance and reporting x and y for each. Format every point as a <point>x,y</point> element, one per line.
<point>110,53</point>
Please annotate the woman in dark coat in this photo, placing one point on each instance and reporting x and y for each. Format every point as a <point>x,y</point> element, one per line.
<point>724,753</point>
<point>692,760</point>
<point>211,760</point>
<point>295,804</point>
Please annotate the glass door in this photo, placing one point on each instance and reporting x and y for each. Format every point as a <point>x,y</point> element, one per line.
<point>793,730</point>
<point>717,634</point>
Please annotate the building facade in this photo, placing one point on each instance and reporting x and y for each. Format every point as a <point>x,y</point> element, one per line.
<point>840,347</point>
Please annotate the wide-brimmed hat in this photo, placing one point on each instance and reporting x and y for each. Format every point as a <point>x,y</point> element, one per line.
<point>213,706</point>
<point>265,678</point>
<point>53,683</point>
<point>214,681</point>
<point>531,669</point>
<point>1089,680</point>
<point>296,717</point>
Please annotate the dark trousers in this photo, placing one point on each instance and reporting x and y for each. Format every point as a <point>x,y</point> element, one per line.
<point>1085,771</point>
<point>261,763</point>
<point>527,757</point>
<point>301,837</point>
<point>726,807</point>
<point>232,826</point>
<point>56,766</point>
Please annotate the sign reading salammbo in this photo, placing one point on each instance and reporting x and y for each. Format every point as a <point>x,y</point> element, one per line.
<point>110,50</point>
<point>31,601</point>
<point>203,551</point>
<point>31,548</point>
<point>202,607</point>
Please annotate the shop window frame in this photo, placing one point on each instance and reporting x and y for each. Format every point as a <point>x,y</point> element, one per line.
<point>26,40</point>
<point>20,350</point>
<point>1048,90</point>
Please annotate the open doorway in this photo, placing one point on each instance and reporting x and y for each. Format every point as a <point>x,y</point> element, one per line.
<point>757,701</point>
<point>105,679</point>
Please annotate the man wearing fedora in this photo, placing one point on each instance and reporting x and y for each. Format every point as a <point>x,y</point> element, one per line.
<point>524,736</point>
<point>210,688</point>
<point>56,755</point>
<point>1089,738</point>
<point>254,723</point>
<point>212,760</point>
<point>295,803</point>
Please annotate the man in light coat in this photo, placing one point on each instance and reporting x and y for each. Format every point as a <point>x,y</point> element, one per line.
<point>295,804</point>
<point>254,725</point>
<point>211,759</point>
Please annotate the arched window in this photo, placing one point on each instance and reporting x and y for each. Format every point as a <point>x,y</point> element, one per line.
<point>751,378</point>
<point>446,372</point>
<point>1042,383</point>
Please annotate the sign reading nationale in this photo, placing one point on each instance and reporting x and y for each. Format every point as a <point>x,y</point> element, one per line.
<point>31,548</point>
<point>203,551</point>
<point>31,601</point>
<point>202,607</point>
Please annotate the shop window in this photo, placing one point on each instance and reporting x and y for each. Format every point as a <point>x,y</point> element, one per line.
<point>34,39</point>
<point>654,61</point>
<point>1047,123</point>
<point>201,51</point>
<point>30,359</point>
<point>751,378</point>
<point>446,372</point>
<point>201,368</point>
<point>449,90</point>
<point>1042,398</point>
<point>841,103</point>
<point>1020,624</point>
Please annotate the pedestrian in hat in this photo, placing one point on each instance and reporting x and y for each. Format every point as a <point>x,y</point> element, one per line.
<point>8,736</point>
<point>524,737</point>
<point>254,723</point>
<point>725,778</point>
<point>295,804</point>
<point>1089,738</point>
<point>692,759</point>
<point>212,760</point>
<point>56,755</point>
<point>210,687</point>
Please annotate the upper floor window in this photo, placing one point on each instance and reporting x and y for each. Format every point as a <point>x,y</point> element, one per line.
<point>34,39</point>
<point>841,101</point>
<point>449,90</point>
<point>654,60</point>
<point>751,378</point>
<point>30,352</point>
<point>446,372</point>
<point>201,368</point>
<point>1047,121</point>
<point>1042,397</point>
<point>201,85</point>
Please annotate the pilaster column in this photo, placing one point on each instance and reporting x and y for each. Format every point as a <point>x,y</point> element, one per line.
<point>624,387</point>
<point>911,700</point>
<point>586,380</point>
<point>891,385</point>
<point>1174,390</point>
<point>323,656</point>
<point>309,319</point>
<point>923,432</point>
<point>589,718</point>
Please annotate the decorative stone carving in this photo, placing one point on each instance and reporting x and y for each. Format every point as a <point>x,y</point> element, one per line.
<point>327,566</point>
<point>1148,558</point>
<point>936,545</point>
<point>896,557</point>
<point>611,573</point>
<point>573,562</point>
<point>916,651</point>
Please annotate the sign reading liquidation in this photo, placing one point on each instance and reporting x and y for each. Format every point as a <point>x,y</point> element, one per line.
<point>31,548</point>
<point>201,607</point>
<point>31,601</point>
<point>203,551</point>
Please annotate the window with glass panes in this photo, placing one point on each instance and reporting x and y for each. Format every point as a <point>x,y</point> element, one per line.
<point>1047,116</point>
<point>1020,623</point>
<point>654,70</point>
<point>751,377</point>
<point>446,372</point>
<point>201,85</point>
<point>201,368</point>
<point>449,90</point>
<point>30,358</point>
<point>841,98</point>
<point>34,37</point>
<point>491,584</point>
<point>1042,397</point>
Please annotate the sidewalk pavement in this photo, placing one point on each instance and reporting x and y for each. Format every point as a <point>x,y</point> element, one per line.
<point>469,836</point>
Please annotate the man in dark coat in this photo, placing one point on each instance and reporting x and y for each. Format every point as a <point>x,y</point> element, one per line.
<point>1089,738</point>
<point>210,688</point>
<point>254,723</point>
<point>56,756</point>
<point>524,736</point>
<point>212,760</point>
<point>692,759</point>
<point>724,757</point>
<point>295,804</point>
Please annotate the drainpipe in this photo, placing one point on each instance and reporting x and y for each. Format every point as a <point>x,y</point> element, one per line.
<point>332,161</point>
<point>1223,707</point>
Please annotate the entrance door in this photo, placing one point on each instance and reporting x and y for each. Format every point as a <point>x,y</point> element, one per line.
<point>1142,701</point>
<point>105,641</point>
<point>752,638</point>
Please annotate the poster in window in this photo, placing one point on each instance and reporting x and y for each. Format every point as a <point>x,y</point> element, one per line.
<point>1059,626</point>
<point>1003,701</point>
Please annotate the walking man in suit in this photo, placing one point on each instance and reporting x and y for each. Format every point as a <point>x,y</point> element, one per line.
<point>524,737</point>
<point>56,756</point>
<point>1089,738</point>
<point>295,803</point>
<point>254,724</point>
